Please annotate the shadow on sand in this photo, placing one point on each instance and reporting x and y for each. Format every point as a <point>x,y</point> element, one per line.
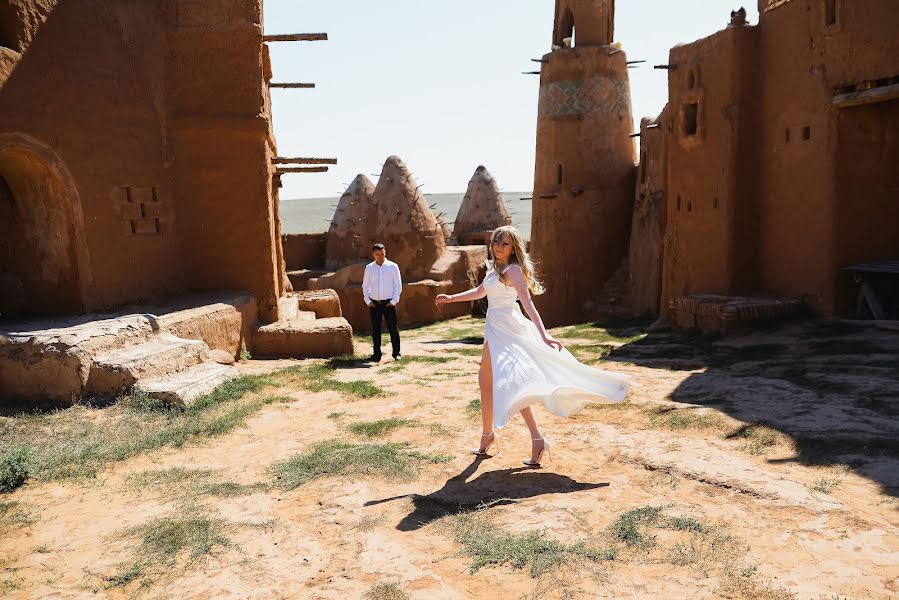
<point>831,386</point>
<point>503,486</point>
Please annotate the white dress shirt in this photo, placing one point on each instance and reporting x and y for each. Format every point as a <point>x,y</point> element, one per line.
<point>382,282</point>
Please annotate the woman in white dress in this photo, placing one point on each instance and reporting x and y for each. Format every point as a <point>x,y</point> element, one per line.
<point>522,364</point>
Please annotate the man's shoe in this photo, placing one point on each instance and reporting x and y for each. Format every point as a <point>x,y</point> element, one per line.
<point>397,356</point>
<point>374,358</point>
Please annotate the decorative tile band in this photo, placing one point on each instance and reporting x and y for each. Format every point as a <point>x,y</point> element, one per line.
<point>581,97</point>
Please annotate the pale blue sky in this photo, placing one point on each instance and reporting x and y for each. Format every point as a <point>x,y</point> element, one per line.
<point>440,83</point>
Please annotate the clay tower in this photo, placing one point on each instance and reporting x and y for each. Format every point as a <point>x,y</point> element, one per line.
<point>351,231</point>
<point>483,209</point>
<point>407,226</point>
<point>584,171</point>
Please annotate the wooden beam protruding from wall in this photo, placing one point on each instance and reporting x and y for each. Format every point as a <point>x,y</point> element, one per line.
<point>280,160</point>
<point>296,37</point>
<point>301,170</point>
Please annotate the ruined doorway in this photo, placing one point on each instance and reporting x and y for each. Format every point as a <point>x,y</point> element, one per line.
<point>39,266</point>
<point>867,211</point>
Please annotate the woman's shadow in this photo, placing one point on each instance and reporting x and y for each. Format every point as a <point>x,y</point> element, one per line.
<point>504,486</point>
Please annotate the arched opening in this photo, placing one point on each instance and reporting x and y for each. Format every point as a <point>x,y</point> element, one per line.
<point>566,29</point>
<point>39,266</point>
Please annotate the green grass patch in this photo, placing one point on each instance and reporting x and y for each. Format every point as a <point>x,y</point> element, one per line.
<point>588,352</point>
<point>379,428</point>
<point>231,489</point>
<point>826,485</point>
<point>487,545</point>
<point>167,542</point>
<point>684,418</point>
<point>473,408</point>
<point>14,515</point>
<point>707,550</point>
<point>320,378</point>
<point>595,333</point>
<point>190,483</point>
<point>80,441</point>
<point>170,477</point>
<point>14,467</point>
<point>334,458</point>
<point>336,415</point>
<point>386,591</point>
<point>427,359</point>
<point>757,438</point>
<point>631,527</point>
<point>466,351</point>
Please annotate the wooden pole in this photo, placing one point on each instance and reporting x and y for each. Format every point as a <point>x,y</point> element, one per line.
<point>292,85</point>
<point>296,37</point>
<point>302,170</point>
<point>280,160</point>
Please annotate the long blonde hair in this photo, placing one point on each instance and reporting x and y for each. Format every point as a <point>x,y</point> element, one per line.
<point>518,257</point>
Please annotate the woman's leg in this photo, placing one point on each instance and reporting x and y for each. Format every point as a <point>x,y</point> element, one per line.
<point>537,442</point>
<point>485,381</point>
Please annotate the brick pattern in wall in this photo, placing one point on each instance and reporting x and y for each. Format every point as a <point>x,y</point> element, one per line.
<point>141,210</point>
<point>574,97</point>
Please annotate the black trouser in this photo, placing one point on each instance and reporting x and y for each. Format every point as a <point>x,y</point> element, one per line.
<point>378,309</point>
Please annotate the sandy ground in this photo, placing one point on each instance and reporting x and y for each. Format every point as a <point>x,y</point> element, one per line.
<point>816,528</point>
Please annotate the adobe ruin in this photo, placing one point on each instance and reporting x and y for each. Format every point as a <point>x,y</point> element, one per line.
<point>766,178</point>
<point>483,210</point>
<point>395,213</point>
<point>137,166</point>
<point>584,173</point>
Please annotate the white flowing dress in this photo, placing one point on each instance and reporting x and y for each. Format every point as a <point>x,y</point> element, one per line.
<point>526,371</point>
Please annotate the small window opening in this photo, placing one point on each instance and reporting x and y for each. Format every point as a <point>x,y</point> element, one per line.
<point>691,80</point>
<point>566,29</point>
<point>9,26</point>
<point>559,175</point>
<point>787,135</point>
<point>678,203</point>
<point>691,119</point>
<point>830,12</point>
<point>806,133</point>
<point>715,203</point>
<point>689,206</point>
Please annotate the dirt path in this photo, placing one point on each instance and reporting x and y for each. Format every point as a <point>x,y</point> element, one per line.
<point>761,515</point>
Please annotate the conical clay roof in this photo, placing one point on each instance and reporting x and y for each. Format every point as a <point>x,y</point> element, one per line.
<point>404,223</point>
<point>352,227</point>
<point>483,208</point>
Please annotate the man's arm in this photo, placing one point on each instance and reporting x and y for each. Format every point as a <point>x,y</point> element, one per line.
<point>397,286</point>
<point>365,295</point>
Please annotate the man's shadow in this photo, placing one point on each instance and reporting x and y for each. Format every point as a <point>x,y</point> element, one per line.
<point>504,486</point>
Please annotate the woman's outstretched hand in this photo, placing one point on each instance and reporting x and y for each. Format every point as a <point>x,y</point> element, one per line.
<point>442,299</point>
<point>552,343</point>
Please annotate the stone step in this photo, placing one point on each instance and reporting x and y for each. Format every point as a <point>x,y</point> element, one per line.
<point>288,308</point>
<point>299,279</point>
<point>115,371</point>
<point>305,315</point>
<point>184,387</point>
<point>324,303</point>
<point>320,338</point>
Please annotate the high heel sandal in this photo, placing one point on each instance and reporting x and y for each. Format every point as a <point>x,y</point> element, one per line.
<point>477,451</point>
<point>546,448</point>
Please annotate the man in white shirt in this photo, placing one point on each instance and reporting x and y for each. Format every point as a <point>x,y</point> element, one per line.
<point>381,289</point>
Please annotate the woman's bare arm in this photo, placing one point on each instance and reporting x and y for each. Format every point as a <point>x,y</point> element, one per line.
<point>472,294</point>
<point>516,278</point>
